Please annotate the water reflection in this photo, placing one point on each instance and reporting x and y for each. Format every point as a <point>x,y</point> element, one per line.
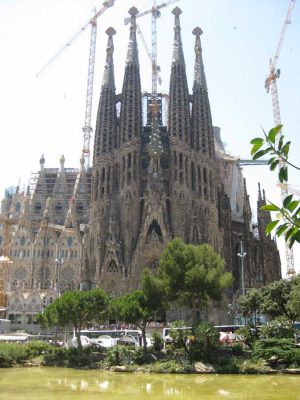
<point>65,384</point>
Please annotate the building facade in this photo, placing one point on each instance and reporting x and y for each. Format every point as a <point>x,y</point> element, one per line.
<point>150,182</point>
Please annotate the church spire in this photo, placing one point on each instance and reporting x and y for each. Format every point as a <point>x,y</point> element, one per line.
<point>131,101</point>
<point>106,127</point>
<point>178,57</point>
<point>132,52</point>
<point>259,193</point>
<point>179,111</point>
<point>201,121</point>
<point>109,76</point>
<point>199,75</point>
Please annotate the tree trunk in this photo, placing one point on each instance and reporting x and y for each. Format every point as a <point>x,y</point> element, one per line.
<point>77,334</point>
<point>144,339</point>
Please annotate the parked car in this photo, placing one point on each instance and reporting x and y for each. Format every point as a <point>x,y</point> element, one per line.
<point>128,340</point>
<point>85,342</point>
<point>104,341</point>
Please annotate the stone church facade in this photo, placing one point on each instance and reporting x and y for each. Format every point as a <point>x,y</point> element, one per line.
<point>150,182</point>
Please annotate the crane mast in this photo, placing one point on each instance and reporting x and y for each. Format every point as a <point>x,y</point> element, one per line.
<point>271,84</point>
<point>154,49</point>
<point>155,13</point>
<point>87,129</point>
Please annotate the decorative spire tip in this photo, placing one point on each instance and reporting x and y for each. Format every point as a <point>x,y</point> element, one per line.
<point>133,11</point>
<point>176,11</point>
<point>110,31</point>
<point>197,31</point>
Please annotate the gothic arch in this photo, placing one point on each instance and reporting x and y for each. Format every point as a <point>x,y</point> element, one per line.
<point>154,232</point>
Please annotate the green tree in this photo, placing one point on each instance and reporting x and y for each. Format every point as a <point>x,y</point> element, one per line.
<point>250,303</point>
<point>275,299</point>
<point>140,306</point>
<point>287,220</point>
<point>76,308</point>
<point>294,300</point>
<point>193,275</point>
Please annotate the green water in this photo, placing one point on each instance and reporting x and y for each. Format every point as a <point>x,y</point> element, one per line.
<point>65,384</point>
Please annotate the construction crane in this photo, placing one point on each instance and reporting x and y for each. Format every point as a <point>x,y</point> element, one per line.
<point>87,129</point>
<point>291,189</point>
<point>246,162</point>
<point>270,84</point>
<point>155,14</point>
<point>148,51</point>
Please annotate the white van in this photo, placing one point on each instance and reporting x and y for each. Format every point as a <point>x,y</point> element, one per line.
<point>85,342</point>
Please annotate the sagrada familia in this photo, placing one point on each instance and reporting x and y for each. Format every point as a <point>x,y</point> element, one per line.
<point>150,181</point>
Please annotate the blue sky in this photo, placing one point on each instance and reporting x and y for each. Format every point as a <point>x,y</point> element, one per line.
<point>45,115</point>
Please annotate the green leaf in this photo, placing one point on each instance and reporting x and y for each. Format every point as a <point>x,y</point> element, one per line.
<point>286,148</point>
<point>280,143</point>
<point>292,205</point>
<point>258,154</point>
<point>274,165</point>
<point>287,200</point>
<point>271,226</point>
<point>269,207</point>
<point>257,141</point>
<point>297,236</point>
<point>280,230</point>
<point>283,174</point>
<point>255,148</point>
<point>288,233</point>
<point>273,133</point>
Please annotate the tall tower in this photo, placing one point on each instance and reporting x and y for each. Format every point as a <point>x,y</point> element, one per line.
<point>105,171</point>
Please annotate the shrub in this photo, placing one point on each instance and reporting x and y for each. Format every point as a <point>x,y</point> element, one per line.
<point>282,349</point>
<point>79,358</point>
<point>123,355</point>
<point>278,328</point>
<point>204,341</point>
<point>248,334</point>
<point>254,367</point>
<point>12,353</point>
<point>38,347</point>
<point>237,349</point>
<point>157,341</point>
<point>169,367</point>
<point>229,366</point>
<point>57,356</point>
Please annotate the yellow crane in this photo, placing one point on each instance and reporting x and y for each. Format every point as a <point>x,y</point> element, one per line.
<point>271,85</point>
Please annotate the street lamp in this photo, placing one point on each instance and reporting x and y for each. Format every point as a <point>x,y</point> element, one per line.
<point>242,255</point>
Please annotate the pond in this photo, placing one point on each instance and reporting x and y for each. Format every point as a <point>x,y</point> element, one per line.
<point>65,384</point>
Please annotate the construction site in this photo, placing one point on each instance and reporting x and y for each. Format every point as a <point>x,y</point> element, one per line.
<point>158,170</point>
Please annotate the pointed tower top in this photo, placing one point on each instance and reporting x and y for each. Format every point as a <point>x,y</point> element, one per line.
<point>176,11</point>
<point>259,192</point>
<point>178,57</point>
<point>197,31</point>
<point>199,75</point>
<point>132,52</point>
<point>133,11</point>
<point>110,31</point>
<point>108,76</point>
